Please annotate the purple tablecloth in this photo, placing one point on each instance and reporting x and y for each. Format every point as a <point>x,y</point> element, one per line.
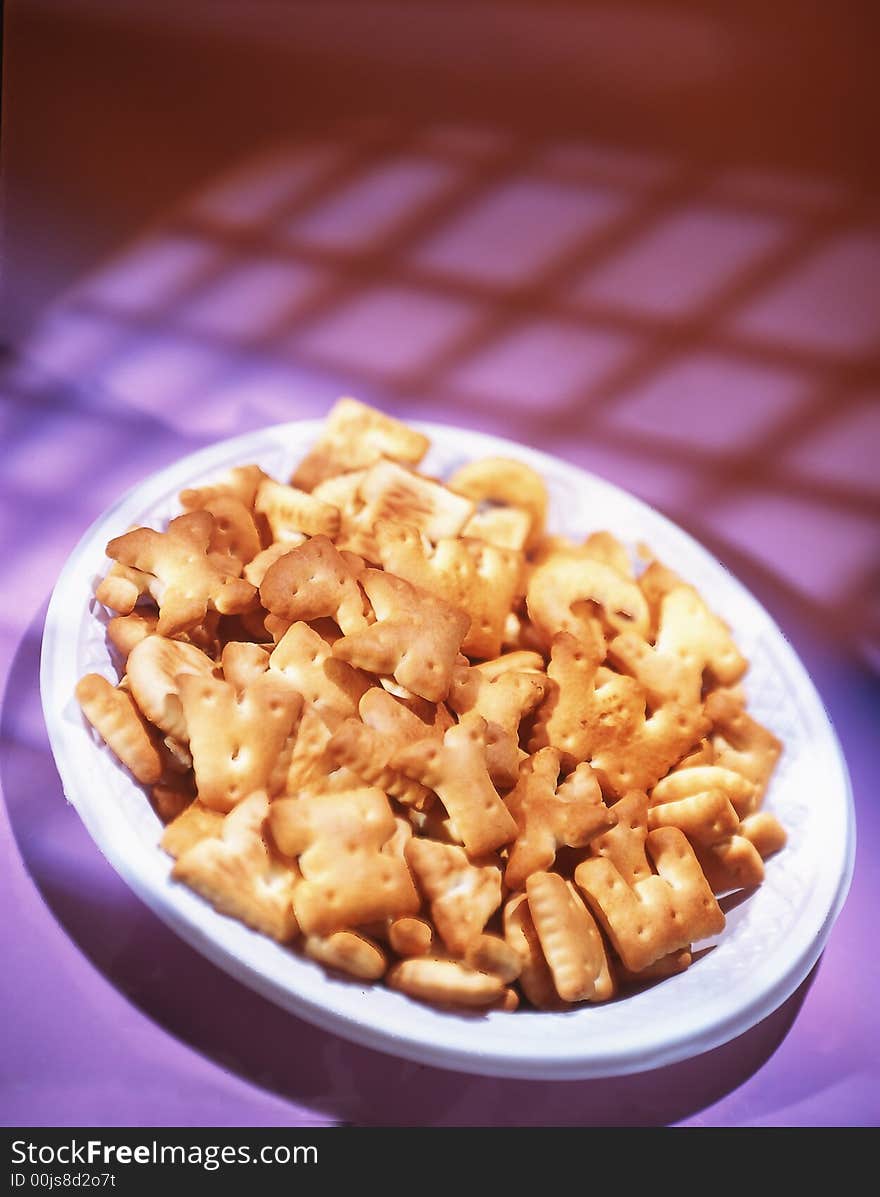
<point>527,293</point>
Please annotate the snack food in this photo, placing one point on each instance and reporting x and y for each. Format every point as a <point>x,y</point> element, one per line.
<point>484,771</point>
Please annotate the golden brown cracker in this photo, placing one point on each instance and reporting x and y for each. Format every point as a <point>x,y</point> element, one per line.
<point>549,815</point>
<point>355,436</point>
<point>191,581</point>
<point>415,639</point>
<point>570,940</point>
<point>235,736</point>
<point>115,717</point>
<point>462,896</point>
<point>456,770</point>
<point>347,878</point>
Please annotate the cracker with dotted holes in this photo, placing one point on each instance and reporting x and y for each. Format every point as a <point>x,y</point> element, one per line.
<point>347,878</point>
<point>570,940</point>
<point>235,531</point>
<point>415,639</point>
<point>366,745</point>
<point>550,815</point>
<point>596,715</point>
<point>478,578</point>
<point>456,770</point>
<point>303,660</point>
<point>691,642</point>
<point>355,532</point>
<point>462,896</point>
<point>114,715</point>
<point>501,695</point>
<point>354,436</point>
<point>191,582</point>
<point>235,736</point>
<point>314,581</point>
<point>506,483</point>
<point>236,872</point>
<point>647,914</point>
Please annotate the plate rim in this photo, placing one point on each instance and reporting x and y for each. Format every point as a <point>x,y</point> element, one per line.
<point>474,1059</point>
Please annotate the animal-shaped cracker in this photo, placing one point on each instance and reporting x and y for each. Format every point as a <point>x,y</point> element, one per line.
<point>741,743</point>
<point>348,880</point>
<point>307,663</point>
<point>355,435</point>
<point>235,532</point>
<point>239,875</point>
<point>501,695</point>
<point>154,668</point>
<point>117,720</point>
<point>691,641</point>
<point>471,575</point>
<point>463,896</point>
<point>290,512</point>
<point>596,715</point>
<point>235,736</point>
<point>191,582</point>
<point>562,591</point>
<point>415,639</point>
<point>647,914</point>
<point>507,483</point>
<point>548,817</point>
<point>456,770</point>
<point>389,492</point>
<point>570,940</point>
<point>366,745</point>
<point>314,581</point>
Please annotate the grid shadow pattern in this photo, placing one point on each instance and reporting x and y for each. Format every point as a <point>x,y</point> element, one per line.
<point>706,336</point>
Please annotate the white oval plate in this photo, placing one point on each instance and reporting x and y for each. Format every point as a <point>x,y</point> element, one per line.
<point>771,941</point>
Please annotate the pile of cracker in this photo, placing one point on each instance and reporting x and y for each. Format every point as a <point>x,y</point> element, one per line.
<point>392,722</point>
